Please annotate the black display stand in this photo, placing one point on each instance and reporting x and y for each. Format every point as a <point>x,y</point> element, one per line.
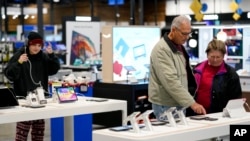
<point>136,96</point>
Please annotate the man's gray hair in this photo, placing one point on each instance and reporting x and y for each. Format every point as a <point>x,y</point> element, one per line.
<point>179,20</point>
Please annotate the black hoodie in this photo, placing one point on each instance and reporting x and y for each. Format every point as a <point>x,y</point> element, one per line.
<point>38,68</point>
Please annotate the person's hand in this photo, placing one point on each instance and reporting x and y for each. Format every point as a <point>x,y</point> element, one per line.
<point>199,109</point>
<point>49,49</point>
<point>23,58</point>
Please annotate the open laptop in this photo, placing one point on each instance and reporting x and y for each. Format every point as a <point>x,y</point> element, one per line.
<point>8,98</point>
<point>66,94</point>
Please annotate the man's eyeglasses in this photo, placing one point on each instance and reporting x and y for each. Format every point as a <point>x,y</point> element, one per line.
<point>185,33</point>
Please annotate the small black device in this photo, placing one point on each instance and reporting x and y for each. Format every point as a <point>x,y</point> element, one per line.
<point>211,119</point>
<point>203,118</point>
<point>97,100</point>
<point>120,128</point>
<point>124,128</point>
<point>198,117</point>
<point>158,123</point>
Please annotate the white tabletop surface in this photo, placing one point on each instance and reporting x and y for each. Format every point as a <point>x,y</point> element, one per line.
<point>66,110</point>
<point>195,130</point>
<point>52,110</point>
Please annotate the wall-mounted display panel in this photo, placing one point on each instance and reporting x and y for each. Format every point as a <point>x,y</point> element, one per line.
<point>126,51</point>
<point>82,42</point>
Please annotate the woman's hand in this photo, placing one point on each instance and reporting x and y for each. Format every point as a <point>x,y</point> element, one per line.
<point>23,58</point>
<point>49,49</point>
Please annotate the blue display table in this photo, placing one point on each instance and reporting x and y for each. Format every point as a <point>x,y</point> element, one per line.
<point>82,125</point>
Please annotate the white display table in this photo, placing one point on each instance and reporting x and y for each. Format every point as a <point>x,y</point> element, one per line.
<point>196,130</point>
<point>66,110</point>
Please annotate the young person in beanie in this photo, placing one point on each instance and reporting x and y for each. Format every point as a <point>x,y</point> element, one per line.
<point>28,69</point>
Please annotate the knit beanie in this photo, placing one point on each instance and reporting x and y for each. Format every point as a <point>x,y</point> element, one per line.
<point>35,38</point>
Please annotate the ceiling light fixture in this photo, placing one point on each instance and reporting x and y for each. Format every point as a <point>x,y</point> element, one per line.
<point>82,18</point>
<point>211,17</point>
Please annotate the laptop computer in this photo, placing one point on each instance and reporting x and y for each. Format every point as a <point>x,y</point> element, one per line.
<point>8,98</point>
<point>66,94</point>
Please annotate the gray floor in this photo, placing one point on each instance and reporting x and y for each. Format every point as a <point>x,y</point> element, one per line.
<point>7,131</point>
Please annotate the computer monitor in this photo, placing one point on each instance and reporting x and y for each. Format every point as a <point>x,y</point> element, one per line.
<point>8,98</point>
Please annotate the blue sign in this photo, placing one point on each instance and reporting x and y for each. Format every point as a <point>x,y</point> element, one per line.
<point>115,2</point>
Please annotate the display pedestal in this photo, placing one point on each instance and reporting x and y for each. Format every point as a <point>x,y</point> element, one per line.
<point>135,94</point>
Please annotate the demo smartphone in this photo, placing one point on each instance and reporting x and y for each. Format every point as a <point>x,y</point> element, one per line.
<point>158,123</point>
<point>124,128</point>
<point>198,117</point>
<point>120,128</point>
<point>97,100</point>
<point>203,118</point>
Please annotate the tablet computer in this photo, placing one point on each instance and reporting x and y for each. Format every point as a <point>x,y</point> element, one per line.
<point>235,108</point>
<point>66,94</point>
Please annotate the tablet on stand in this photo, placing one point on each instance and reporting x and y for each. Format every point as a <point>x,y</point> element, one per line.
<point>145,117</point>
<point>132,119</point>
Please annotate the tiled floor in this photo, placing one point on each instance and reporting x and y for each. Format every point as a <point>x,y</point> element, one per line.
<point>7,131</point>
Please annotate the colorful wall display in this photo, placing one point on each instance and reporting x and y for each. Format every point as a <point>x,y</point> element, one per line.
<point>126,51</point>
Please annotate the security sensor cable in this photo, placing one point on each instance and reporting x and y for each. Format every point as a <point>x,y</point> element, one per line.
<point>36,83</point>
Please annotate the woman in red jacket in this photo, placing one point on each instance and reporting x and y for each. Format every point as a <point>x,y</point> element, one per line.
<point>217,82</point>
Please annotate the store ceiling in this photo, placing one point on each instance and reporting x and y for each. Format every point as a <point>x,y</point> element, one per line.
<point>9,2</point>
<point>18,3</point>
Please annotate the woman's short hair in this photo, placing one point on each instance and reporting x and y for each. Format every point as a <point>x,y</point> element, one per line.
<point>216,45</point>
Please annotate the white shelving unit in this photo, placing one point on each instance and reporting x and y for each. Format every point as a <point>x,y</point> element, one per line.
<point>6,52</point>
